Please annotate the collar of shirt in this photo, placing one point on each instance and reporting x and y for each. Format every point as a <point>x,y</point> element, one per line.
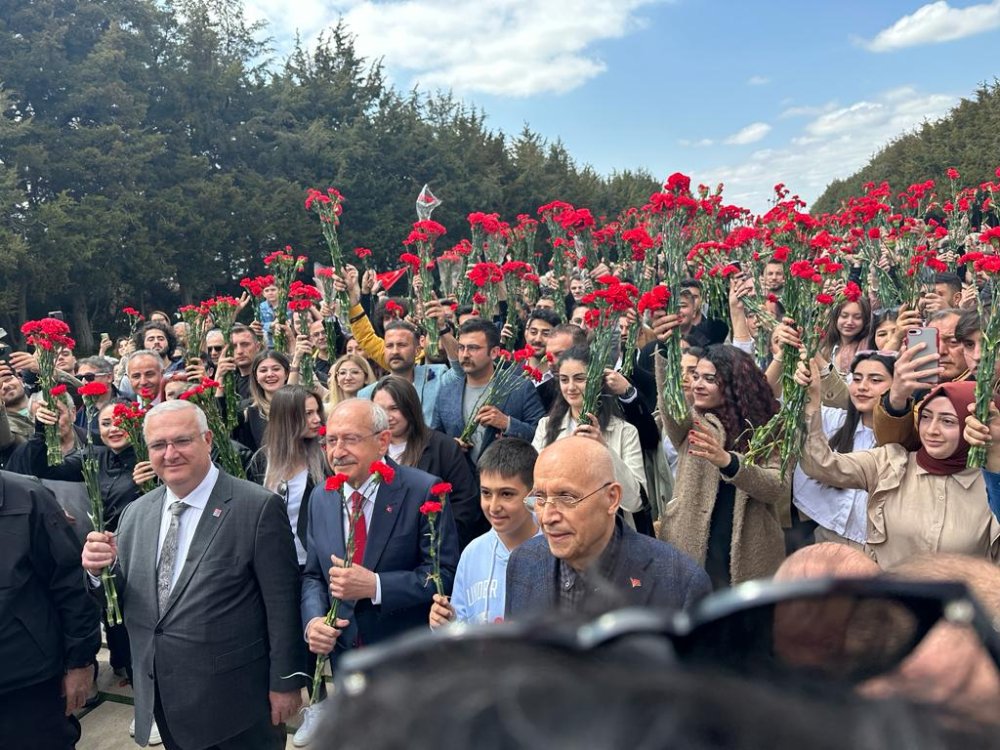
<point>367,490</point>
<point>966,477</point>
<point>198,497</point>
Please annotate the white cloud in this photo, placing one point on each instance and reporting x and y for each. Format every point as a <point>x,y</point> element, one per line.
<point>936,22</point>
<point>807,110</point>
<point>502,47</point>
<point>703,143</point>
<point>750,134</point>
<point>758,80</point>
<point>834,144</point>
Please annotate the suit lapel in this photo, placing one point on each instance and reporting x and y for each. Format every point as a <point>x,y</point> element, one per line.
<point>146,546</point>
<point>212,518</point>
<point>384,514</point>
<point>339,542</point>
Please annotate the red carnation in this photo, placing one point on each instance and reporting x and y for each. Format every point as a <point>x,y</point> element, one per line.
<point>430,507</point>
<point>852,292</point>
<point>952,173</point>
<point>58,390</point>
<point>386,473</point>
<point>94,389</point>
<point>362,252</point>
<point>441,488</point>
<point>824,299</point>
<point>334,483</point>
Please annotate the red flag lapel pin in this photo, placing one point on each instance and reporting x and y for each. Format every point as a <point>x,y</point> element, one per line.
<point>217,512</point>
<point>636,583</point>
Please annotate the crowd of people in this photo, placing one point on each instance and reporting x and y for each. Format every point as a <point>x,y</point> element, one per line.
<point>226,583</point>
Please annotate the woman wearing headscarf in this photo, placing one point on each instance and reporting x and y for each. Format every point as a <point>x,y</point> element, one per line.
<point>921,501</point>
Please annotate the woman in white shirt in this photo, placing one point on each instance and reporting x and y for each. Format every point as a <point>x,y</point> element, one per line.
<point>621,438</point>
<point>291,461</point>
<point>841,514</point>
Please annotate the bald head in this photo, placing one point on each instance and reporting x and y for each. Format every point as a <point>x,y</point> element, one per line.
<point>579,526</point>
<point>827,560</point>
<point>580,457</point>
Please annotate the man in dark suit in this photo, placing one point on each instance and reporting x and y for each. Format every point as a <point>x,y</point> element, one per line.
<point>518,415</point>
<point>209,583</point>
<point>587,558</point>
<point>387,589</point>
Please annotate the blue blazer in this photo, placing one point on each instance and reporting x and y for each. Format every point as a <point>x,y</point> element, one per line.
<point>398,549</point>
<point>522,406</point>
<point>648,573</point>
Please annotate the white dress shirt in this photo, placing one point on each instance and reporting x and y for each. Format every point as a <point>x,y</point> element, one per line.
<point>294,494</point>
<point>844,512</point>
<point>197,499</point>
<point>368,490</point>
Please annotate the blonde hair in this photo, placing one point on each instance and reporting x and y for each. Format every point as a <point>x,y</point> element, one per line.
<point>334,393</point>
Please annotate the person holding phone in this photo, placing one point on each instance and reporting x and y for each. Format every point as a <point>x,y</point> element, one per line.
<point>920,501</point>
<point>894,414</point>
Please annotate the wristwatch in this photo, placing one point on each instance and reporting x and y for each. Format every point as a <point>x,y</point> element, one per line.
<point>629,394</point>
<point>447,329</point>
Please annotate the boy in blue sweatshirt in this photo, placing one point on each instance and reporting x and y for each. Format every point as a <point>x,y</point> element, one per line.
<point>506,476</point>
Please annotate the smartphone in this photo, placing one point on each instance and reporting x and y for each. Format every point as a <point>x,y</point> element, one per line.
<point>929,336</point>
<point>57,314</point>
<point>105,337</point>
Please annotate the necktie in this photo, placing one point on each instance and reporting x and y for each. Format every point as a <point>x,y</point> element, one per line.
<point>168,554</point>
<point>360,529</point>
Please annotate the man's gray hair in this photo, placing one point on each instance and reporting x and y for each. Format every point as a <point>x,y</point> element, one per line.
<point>168,407</point>
<point>380,420</point>
<point>144,353</point>
<point>100,364</point>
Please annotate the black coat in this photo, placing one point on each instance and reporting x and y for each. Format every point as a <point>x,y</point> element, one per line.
<point>48,621</point>
<point>114,472</point>
<point>443,458</point>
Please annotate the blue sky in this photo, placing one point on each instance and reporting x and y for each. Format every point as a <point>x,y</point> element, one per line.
<point>748,93</point>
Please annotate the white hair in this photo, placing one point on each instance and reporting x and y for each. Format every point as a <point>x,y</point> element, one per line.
<point>380,420</point>
<point>168,407</point>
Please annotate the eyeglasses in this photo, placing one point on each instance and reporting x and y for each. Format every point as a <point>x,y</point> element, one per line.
<point>349,441</point>
<point>537,500</point>
<point>355,373</point>
<point>215,348</point>
<point>848,630</point>
<point>180,444</point>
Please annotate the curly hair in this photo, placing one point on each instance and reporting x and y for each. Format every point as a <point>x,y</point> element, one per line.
<point>747,400</point>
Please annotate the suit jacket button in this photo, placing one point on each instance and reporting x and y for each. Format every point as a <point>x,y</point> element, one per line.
<point>354,643</point>
<point>149,675</point>
<point>158,631</point>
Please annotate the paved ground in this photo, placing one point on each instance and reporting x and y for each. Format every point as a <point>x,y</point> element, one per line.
<point>105,727</point>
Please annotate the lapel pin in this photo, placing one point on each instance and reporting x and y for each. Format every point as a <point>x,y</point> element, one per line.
<point>388,509</point>
<point>217,512</point>
<point>636,583</point>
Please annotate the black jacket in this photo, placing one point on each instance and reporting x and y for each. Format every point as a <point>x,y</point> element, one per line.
<point>114,472</point>
<point>443,458</point>
<point>48,621</point>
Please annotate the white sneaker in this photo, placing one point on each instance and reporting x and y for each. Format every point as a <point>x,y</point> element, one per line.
<point>154,735</point>
<point>131,728</point>
<point>311,717</point>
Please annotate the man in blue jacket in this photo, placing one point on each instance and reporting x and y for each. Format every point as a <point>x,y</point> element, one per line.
<point>588,559</point>
<point>460,399</point>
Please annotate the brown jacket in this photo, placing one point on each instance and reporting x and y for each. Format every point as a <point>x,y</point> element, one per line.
<point>758,545</point>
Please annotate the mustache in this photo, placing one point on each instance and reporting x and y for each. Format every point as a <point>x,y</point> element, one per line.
<point>343,462</point>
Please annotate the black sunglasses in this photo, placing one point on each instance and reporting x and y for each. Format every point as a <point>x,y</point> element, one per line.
<point>847,630</point>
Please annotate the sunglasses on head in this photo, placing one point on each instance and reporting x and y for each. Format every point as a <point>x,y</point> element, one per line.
<point>845,630</point>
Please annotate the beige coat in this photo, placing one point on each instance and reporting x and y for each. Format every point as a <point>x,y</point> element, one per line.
<point>758,545</point>
<point>910,511</point>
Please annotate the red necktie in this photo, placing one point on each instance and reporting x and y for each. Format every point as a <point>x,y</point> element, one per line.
<point>360,529</point>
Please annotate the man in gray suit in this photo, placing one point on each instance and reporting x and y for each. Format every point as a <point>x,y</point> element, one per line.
<point>209,585</point>
<point>587,559</point>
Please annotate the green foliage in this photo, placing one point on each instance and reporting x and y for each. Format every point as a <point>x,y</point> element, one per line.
<point>152,153</point>
<point>968,139</point>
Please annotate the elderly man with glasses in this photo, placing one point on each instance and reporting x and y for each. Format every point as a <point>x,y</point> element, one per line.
<point>587,559</point>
